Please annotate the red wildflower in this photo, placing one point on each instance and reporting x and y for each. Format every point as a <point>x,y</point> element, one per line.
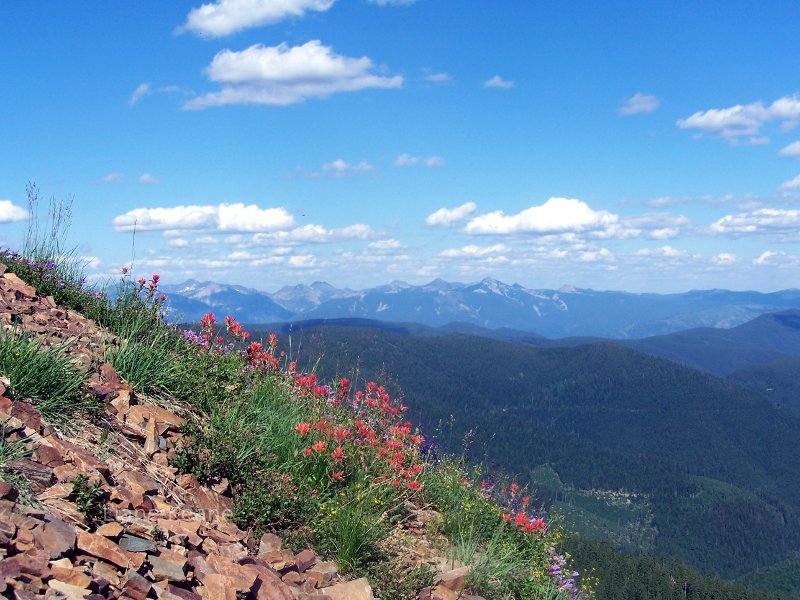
<point>414,485</point>
<point>142,281</point>
<point>338,454</point>
<point>156,278</point>
<point>535,525</point>
<point>341,434</point>
<point>337,475</point>
<point>302,428</point>
<point>273,341</point>
<point>307,452</point>
<point>319,446</point>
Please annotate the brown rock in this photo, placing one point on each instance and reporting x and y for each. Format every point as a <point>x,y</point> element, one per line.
<point>137,482</point>
<point>8,491</point>
<point>27,414</point>
<point>234,551</point>
<point>443,593</point>
<point>181,593</point>
<point>454,579</point>
<point>216,507</point>
<point>358,589</point>
<point>101,547</point>
<point>71,592</point>
<point>219,587</point>
<point>110,530</point>
<point>168,565</point>
<point>48,456</point>
<point>16,284</point>
<point>135,582</point>
<point>55,537</point>
<point>269,542</point>
<point>278,559</point>
<point>304,560</point>
<point>242,576</point>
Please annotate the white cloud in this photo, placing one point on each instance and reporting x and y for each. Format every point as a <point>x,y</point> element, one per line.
<point>765,257</point>
<point>639,103</point>
<point>303,261</point>
<point>113,178</point>
<point>499,83</point>
<point>148,179</point>
<point>11,213</point>
<point>282,75</point>
<point>310,233</point>
<point>140,92</point>
<point>474,251</point>
<point>221,217</point>
<point>665,233</point>
<point>792,184</point>
<point>406,160</point>
<point>743,120</point>
<point>446,217</point>
<point>664,251</point>
<point>776,221</point>
<point>554,216</point>
<point>595,255</point>
<point>792,150</point>
<point>382,245</point>
<point>178,243</point>
<point>724,258</point>
<point>438,78</point>
<point>340,168</point>
<point>225,17</point>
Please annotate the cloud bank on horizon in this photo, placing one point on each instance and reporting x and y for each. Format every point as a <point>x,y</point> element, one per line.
<point>272,142</point>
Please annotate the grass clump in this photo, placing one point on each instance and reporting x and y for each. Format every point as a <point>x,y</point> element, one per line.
<point>42,375</point>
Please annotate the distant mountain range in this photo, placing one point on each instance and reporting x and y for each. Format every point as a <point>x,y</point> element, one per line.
<point>489,304</point>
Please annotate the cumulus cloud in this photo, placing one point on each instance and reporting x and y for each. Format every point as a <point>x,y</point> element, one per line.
<point>557,215</point>
<point>775,221</point>
<point>595,255</point>
<point>724,258</point>
<point>499,83</point>
<point>792,150</point>
<point>221,217</point>
<point>225,17</point>
<point>148,179</point>
<point>792,184</point>
<point>140,92</point>
<point>639,103</point>
<point>406,160</point>
<point>11,213</point>
<point>743,120</point>
<point>472,251</point>
<point>178,243</point>
<point>447,217</point>
<point>282,75</point>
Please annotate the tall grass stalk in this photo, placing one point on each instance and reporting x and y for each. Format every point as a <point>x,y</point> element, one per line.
<point>45,376</point>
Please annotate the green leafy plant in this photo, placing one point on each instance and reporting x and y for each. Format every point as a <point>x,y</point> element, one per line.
<point>89,498</point>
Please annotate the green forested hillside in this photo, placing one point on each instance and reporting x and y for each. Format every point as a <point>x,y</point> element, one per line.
<point>778,380</point>
<point>709,460</point>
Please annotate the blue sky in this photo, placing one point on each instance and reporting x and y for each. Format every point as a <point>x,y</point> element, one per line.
<point>624,145</point>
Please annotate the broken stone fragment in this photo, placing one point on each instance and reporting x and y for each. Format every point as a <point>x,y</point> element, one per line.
<point>97,545</point>
<point>358,589</point>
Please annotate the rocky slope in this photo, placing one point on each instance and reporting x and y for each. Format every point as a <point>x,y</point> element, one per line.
<point>102,513</point>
